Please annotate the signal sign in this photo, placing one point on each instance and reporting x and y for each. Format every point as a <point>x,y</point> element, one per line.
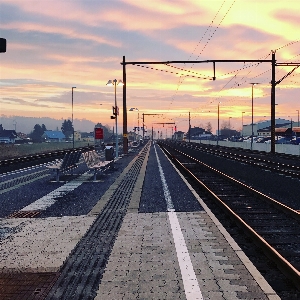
<point>99,134</point>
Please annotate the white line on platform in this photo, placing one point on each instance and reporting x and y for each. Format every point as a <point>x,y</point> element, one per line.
<point>170,206</point>
<point>49,199</point>
<point>191,287</point>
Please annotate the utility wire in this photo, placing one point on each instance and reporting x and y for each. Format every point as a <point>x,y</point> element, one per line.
<point>210,37</point>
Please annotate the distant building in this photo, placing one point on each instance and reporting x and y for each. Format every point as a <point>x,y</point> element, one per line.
<point>228,133</point>
<point>53,136</point>
<point>197,133</point>
<point>178,135</point>
<point>7,136</point>
<point>296,131</point>
<point>260,126</point>
<point>88,137</point>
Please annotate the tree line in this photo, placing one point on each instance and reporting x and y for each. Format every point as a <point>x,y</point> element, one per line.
<point>38,131</point>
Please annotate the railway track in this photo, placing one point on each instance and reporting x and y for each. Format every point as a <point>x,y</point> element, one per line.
<point>273,226</point>
<point>288,165</point>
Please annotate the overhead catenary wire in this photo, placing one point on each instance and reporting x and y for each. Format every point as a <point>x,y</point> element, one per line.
<point>208,40</point>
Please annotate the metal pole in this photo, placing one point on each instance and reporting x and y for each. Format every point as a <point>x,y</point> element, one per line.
<point>298,116</point>
<point>138,124</point>
<point>253,83</point>
<point>218,123</point>
<point>143,126</point>
<point>243,123</point>
<point>73,87</point>
<point>252,120</point>
<point>189,127</point>
<point>152,134</point>
<point>116,112</point>
<point>273,85</point>
<point>125,138</point>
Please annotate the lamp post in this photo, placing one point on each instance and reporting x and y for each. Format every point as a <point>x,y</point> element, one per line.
<point>116,82</point>
<point>229,122</point>
<point>136,109</point>
<point>298,116</point>
<point>243,123</point>
<point>73,87</point>
<point>252,83</point>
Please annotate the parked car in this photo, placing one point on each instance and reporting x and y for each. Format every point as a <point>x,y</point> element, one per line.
<point>295,141</point>
<point>283,140</point>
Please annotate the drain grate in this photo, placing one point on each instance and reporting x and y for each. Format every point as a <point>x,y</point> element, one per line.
<point>21,286</point>
<point>24,214</point>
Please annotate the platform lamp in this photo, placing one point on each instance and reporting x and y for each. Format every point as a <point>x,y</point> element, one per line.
<point>136,109</point>
<point>243,123</point>
<point>116,82</point>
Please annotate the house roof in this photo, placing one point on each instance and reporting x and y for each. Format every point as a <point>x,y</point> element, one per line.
<point>54,134</point>
<point>196,130</point>
<point>282,130</point>
<point>8,133</point>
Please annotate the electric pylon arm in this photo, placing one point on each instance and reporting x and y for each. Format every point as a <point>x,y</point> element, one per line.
<point>288,74</point>
<point>164,123</point>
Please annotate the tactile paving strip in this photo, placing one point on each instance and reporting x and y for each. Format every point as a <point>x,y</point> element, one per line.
<point>24,214</point>
<point>21,286</point>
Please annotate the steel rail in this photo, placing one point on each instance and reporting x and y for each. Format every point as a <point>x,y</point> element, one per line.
<point>287,169</point>
<point>286,267</point>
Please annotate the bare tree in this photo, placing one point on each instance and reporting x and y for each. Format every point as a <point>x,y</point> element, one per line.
<point>208,127</point>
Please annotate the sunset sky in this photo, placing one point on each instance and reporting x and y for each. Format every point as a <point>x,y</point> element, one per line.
<point>53,45</point>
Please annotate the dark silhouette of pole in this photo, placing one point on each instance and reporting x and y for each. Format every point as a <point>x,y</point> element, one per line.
<point>273,85</point>
<point>125,137</point>
<point>116,119</point>
<point>218,123</point>
<point>189,127</point>
<point>252,132</point>
<point>143,126</point>
<point>73,87</point>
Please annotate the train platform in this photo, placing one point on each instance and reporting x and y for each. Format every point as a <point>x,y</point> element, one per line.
<point>149,236</point>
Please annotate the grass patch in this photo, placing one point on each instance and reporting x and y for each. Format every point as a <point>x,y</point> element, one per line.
<point>12,151</point>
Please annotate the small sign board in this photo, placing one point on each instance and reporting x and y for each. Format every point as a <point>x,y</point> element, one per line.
<point>99,134</point>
